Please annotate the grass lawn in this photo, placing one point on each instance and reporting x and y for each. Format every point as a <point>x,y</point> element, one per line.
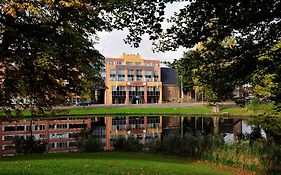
<point>145,111</point>
<point>105,163</point>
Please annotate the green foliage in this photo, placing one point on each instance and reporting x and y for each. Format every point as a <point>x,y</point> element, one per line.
<point>123,144</point>
<point>231,46</point>
<point>193,146</point>
<point>89,144</point>
<point>47,50</point>
<point>260,108</point>
<point>29,145</point>
<point>259,156</point>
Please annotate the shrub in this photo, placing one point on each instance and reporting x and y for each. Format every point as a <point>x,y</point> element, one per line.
<point>123,144</point>
<point>89,144</point>
<point>29,145</point>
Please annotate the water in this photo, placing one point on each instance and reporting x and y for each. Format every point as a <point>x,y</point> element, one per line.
<point>61,134</point>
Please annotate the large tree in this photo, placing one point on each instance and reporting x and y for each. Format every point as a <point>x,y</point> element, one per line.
<point>231,37</point>
<point>47,48</point>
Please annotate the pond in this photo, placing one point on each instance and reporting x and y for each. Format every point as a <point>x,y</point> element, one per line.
<point>61,133</point>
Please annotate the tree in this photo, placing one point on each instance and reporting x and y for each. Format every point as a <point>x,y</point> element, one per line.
<point>229,38</point>
<point>47,48</point>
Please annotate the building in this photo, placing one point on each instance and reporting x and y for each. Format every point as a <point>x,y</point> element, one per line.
<point>60,134</point>
<point>144,129</point>
<point>171,89</point>
<point>132,80</point>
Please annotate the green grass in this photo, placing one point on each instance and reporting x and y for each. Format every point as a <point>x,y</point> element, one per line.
<point>124,110</point>
<point>145,111</point>
<point>236,111</point>
<point>105,163</point>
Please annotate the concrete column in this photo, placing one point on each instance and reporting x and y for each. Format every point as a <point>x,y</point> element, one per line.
<point>145,122</point>
<point>108,126</point>
<point>127,95</point>
<point>127,123</point>
<point>160,96</point>
<point>145,94</point>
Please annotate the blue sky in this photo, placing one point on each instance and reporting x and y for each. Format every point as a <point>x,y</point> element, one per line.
<point>112,44</point>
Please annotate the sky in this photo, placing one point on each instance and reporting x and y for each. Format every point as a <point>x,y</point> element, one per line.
<point>111,44</point>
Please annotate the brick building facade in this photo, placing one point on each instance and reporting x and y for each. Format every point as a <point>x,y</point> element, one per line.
<point>132,80</point>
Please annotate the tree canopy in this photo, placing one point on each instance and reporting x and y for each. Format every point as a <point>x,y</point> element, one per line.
<point>233,41</point>
<point>47,46</point>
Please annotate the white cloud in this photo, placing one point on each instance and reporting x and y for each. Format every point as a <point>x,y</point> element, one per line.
<point>112,44</point>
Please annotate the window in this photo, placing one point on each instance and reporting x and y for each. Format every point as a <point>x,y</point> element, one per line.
<point>121,75</point>
<point>136,122</point>
<point>148,76</point>
<point>8,147</point>
<point>119,63</point>
<point>61,126</point>
<point>118,91</point>
<point>77,126</point>
<point>130,63</point>
<point>138,63</point>
<point>52,145</point>
<point>61,144</point>
<point>153,122</point>
<point>155,64</point>
<point>132,91</point>
<point>118,123</point>
<point>112,74</point>
<point>73,135</point>
<point>110,62</point>
<point>156,76</point>
<point>52,126</point>
<point>131,75</point>
<point>14,128</point>
<point>139,75</point>
<point>8,138</point>
<point>147,64</point>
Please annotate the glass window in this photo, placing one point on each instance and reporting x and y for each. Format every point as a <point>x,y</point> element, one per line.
<point>148,76</point>
<point>130,63</point>
<point>121,75</point>
<point>138,63</point>
<point>139,75</point>
<point>112,74</point>
<point>131,75</point>
<point>156,76</point>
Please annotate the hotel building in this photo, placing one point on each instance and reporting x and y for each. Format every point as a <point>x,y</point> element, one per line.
<point>132,80</point>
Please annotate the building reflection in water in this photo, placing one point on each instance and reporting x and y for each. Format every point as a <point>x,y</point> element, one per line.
<point>61,134</point>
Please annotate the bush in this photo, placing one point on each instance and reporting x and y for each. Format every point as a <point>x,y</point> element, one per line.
<point>29,145</point>
<point>123,144</point>
<point>193,146</point>
<point>89,144</point>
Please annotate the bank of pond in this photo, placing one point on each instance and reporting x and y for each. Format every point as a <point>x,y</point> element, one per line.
<point>246,143</point>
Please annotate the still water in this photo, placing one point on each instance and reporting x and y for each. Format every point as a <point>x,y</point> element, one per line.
<point>61,134</point>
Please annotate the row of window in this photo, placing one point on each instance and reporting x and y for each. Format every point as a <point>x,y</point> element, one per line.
<point>42,127</point>
<point>62,144</point>
<point>132,63</point>
<point>133,76</point>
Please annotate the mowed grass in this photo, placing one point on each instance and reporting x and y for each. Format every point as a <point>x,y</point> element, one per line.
<point>140,111</point>
<point>125,110</point>
<point>105,163</point>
